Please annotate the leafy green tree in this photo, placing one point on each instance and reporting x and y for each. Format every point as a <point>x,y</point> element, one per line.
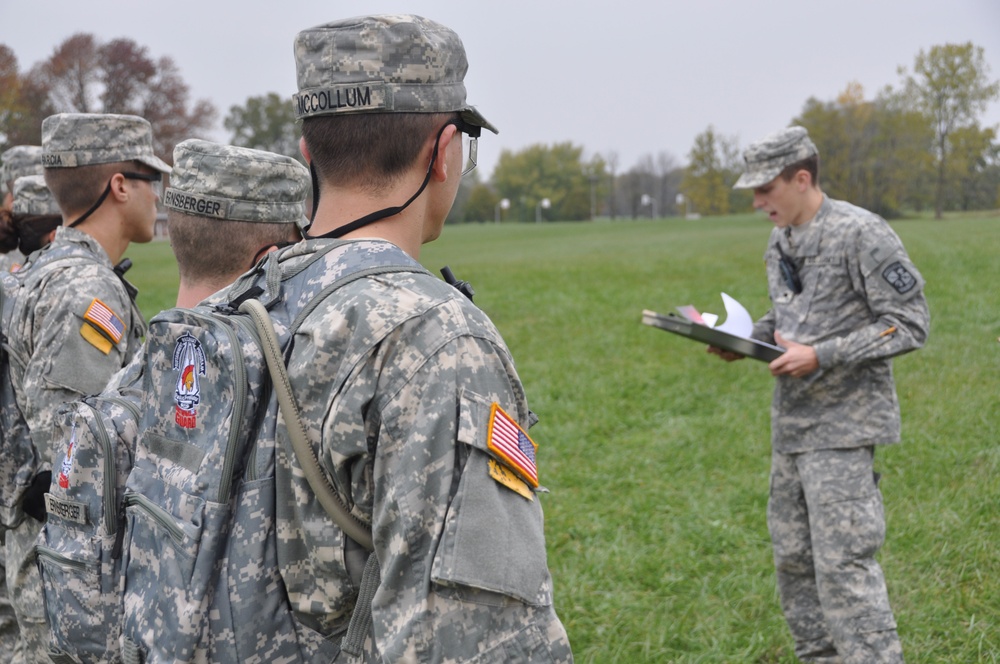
<point>481,204</point>
<point>974,173</point>
<point>266,122</point>
<point>539,172</point>
<point>951,85</point>
<point>713,167</point>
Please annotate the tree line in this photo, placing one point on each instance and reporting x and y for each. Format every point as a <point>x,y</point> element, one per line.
<point>917,146</point>
<point>84,75</point>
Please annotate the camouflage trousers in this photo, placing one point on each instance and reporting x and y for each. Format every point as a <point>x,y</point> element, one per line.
<point>826,522</point>
<point>8,621</point>
<point>24,586</point>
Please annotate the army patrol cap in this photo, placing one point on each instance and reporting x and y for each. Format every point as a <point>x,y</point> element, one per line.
<point>70,140</point>
<point>766,158</point>
<point>239,184</point>
<point>33,198</point>
<point>382,64</point>
<point>21,160</point>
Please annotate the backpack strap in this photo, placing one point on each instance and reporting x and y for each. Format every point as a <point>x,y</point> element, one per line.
<point>318,481</point>
<point>353,642</point>
<point>304,452</point>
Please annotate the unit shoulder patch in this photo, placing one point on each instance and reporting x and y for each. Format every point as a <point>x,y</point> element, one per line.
<point>899,278</point>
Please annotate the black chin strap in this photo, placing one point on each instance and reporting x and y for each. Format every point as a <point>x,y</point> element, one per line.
<point>80,220</point>
<point>341,231</point>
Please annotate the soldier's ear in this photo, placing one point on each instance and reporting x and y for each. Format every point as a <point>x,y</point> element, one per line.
<point>304,149</point>
<point>803,179</point>
<point>117,187</point>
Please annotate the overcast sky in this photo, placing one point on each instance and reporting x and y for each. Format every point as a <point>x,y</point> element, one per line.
<point>636,77</point>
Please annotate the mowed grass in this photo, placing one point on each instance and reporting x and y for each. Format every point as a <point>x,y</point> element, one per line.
<point>657,454</point>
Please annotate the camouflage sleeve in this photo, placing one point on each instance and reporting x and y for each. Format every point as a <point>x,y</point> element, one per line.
<point>882,272</point>
<point>458,534</point>
<point>78,341</point>
<point>763,329</point>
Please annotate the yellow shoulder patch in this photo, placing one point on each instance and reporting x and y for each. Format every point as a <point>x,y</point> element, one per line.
<point>509,479</point>
<point>95,338</point>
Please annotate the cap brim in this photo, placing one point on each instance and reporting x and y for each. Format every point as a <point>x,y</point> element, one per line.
<point>156,163</point>
<point>754,179</point>
<point>474,117</point>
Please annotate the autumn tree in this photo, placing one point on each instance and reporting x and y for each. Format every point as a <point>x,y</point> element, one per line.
<point>874,153</point>
<point>951,85</point>
<point>84,75</point>
<point>23,104</point>
<point>266,122</point>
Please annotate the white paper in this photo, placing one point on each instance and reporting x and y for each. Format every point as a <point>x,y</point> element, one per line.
<point>738,321</point>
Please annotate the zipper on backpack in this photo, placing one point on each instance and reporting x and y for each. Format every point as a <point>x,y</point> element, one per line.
<point>65,562</point>
<point>116,550</point>
<point>157,513</point>
<point>110,464</point>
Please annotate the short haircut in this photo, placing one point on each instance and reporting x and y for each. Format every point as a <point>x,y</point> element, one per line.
<point>76,189</point>
<point>809,164</point>
<point>370,150</point>
<point>219,250</point>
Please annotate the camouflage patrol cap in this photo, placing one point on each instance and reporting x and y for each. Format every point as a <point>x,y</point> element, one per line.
<point>21,160</point>
<point>238,184</point>
<point>84,139</point>
<point>382,64</point>
<point>33,198</point>
<point>769,156</point>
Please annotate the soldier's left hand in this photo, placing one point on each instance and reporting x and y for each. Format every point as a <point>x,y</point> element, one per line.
<point>797,361</point>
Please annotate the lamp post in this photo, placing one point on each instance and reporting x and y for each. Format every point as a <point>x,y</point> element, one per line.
<point>544,203</point>
<point>502,204</point>
<point>649,200</point>
<point>680,201</point>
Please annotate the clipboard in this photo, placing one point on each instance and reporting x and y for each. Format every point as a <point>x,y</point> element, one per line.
<point>758,350</point>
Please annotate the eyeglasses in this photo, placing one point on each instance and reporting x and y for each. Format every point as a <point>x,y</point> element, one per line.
<point>470,143</point>
<point>789,271</point>
<point>155,180</point>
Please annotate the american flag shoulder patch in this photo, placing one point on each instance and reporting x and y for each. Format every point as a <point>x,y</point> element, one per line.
<point>512,446</point>
<point>104,319</point>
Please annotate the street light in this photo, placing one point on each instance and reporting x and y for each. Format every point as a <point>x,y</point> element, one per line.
<point>649,200</point>
<point>680,201</point>
<point>502,204</point>
<point>544,203</point>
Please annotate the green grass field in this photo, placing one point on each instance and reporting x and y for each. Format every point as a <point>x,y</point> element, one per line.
<point>657,454</point>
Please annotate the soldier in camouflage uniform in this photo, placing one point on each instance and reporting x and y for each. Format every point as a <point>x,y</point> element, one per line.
<point>226,207</point>
<point>408,394</point>
<point>18,161</point>
<point>845,300</point>
<point>80,325</point>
